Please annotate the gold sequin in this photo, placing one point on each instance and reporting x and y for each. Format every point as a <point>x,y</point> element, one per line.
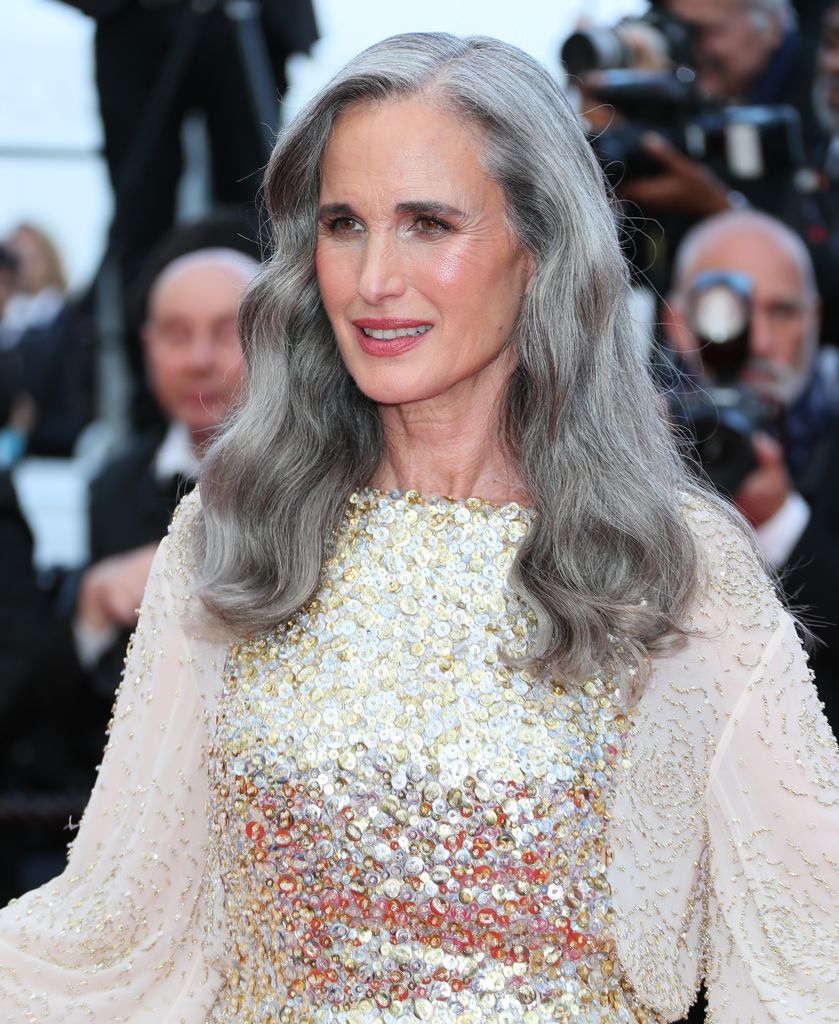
<point>427,869</point>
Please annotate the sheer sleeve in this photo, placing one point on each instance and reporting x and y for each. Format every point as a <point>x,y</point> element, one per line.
<point>772,804</point>
<point>724,832</point>
<point>121,935</point>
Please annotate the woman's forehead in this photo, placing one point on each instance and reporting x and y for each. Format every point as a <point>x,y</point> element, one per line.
<point>413,141</point>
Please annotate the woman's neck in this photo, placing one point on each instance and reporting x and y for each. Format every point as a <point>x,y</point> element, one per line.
<point>448,448</point>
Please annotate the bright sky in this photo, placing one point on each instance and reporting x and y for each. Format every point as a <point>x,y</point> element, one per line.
<point>49,98</point>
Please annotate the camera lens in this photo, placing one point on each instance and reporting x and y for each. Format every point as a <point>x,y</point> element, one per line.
<point>592,50</point>
<point>719,314</point>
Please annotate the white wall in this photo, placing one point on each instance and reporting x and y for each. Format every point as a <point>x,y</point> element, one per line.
<point>49,98</point>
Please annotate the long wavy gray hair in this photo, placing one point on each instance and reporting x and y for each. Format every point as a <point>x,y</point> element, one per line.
<point>609,552</point>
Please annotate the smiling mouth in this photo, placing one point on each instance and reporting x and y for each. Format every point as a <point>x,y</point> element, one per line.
<point>389,335</point>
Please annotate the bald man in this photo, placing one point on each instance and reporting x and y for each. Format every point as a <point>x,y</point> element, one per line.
<point>55,734</point>
<point>193,358</point>
<point>792,497</point>
<point>785,320</point>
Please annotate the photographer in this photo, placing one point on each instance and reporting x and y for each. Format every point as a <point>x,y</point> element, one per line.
<point>743,318</point>
<point>722,120</point>
<point>750,52</point>
<point>745,53</point>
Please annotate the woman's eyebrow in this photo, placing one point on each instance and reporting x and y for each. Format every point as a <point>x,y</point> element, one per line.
<point>426,206</point>
<point>335,210</point>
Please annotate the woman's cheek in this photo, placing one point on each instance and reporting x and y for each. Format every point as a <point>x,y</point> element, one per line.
<point>456,267</point>
<point>334,275</point>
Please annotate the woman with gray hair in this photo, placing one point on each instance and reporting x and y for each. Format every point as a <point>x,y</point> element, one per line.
<point>453,697</point>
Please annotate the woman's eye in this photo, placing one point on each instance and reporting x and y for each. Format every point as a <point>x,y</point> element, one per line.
<point>343,226</point>
<point>431,225</point>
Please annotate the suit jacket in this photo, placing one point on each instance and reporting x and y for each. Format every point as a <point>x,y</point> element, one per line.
<point>67,709</point>
<point>128,506</point>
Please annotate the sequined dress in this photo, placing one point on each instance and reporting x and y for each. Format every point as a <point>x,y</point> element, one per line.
<point>369,816</point>
<point>418,832</point>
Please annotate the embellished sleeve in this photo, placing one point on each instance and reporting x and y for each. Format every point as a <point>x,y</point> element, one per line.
<point>120,935</point>
<point>772,806</point>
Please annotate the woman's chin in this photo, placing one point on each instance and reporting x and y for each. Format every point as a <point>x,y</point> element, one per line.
<point>396,392</point>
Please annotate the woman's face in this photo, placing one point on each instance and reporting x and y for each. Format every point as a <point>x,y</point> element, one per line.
<point>418,270</point>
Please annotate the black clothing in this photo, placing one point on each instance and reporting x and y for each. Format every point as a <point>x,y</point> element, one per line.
<point>54,730</point>
<point>129,507</point>
<point>53,365</point>
<point>23,605</point>
<point>37,739</point>
<point>810,14</point>
<point>788,78</point>
<point>810,579</point>
<point>157,60</point>
<point>133,44</point>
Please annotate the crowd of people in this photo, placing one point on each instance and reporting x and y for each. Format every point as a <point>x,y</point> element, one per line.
<point>745,352</point>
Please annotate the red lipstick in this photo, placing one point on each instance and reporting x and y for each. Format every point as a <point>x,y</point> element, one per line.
<point>395,345</point>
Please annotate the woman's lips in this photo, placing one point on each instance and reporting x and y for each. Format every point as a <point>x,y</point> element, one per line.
<point>389,336</point>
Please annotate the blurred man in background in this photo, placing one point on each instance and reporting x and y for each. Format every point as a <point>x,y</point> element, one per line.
<point>194,363</point>
<point>746,53</point>
<point>55,732</point>
<point>768,366</point>
<point>157,63</point>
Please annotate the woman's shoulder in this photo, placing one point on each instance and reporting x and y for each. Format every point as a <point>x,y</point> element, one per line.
<point>187,511</point>
<point>733,575</point>
<point>177,557</point>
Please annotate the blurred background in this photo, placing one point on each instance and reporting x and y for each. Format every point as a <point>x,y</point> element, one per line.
<point>132,141</point>
<point>51,132</point>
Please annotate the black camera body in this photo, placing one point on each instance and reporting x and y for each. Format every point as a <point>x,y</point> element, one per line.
<point>600,48</point>
<point>744,145</point>
<point>716,415</point>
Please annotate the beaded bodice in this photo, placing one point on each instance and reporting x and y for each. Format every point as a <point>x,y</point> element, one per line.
<point>403,826</point>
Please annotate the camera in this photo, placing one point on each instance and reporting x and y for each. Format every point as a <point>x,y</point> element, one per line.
<point>642,68</point>
<point>718,416</point>
<point>743,145</point>
<point>655,36</point>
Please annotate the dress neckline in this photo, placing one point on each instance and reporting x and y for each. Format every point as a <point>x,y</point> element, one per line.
<point>440,502</point>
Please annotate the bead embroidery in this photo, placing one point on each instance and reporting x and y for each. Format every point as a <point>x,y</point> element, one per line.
<point>405,827</point>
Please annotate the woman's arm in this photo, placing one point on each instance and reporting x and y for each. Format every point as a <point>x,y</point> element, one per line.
<point>120,936</point>
<point>773,816</point>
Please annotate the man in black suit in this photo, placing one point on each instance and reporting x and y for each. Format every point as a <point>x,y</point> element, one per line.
<point>56,713</point>
<point>194,363</point>
<point>790,496</point>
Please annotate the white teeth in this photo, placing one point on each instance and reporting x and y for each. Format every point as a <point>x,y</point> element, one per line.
<point>404,332</point>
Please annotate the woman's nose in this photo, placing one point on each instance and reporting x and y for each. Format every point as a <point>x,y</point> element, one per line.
<point>382,275</point>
